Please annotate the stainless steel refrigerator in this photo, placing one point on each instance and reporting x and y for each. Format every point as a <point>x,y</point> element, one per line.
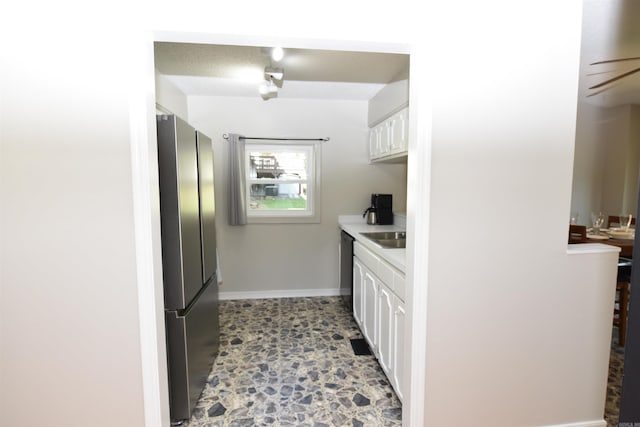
<point>187,210</point>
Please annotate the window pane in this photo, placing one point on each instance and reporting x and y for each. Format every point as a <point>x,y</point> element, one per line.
<point>270,203</point>
<point>278,165</point>
<point>285,174</point>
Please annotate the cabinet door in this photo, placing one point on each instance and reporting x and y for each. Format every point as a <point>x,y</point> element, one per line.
<point>374,142</point>
<point>385,138</point>
<point>385,328</point>
<point>399,127</point>
<point>358,277</point>
<point>369,309</point>
<point>397,371</point>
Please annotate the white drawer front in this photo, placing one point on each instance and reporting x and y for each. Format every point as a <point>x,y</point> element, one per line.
<point>367,257</point>
<point>386,273</point>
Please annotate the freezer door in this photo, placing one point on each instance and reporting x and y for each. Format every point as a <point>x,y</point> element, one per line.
<point>192,344</point>
<point>180,211</point>
<point>207,206</point>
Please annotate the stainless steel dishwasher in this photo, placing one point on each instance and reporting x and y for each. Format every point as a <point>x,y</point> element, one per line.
<point>346,269</point>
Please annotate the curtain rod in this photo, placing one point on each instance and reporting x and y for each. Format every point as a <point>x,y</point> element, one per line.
<point>225,136</point>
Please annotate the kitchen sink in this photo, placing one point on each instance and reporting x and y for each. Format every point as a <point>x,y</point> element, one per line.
<point>388,239</point>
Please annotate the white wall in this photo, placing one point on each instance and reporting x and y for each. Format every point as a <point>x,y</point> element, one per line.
<point>503,135</point>
<point>607,158</point>
<point>170,98</point>
<point>74,94</point>
<point>508,343</point>
<point>390,99</point>
<point>588,167</point>
<point>615,131</point>
<point>632,176</point>
<point>70,352</point>
<point>294,257</point>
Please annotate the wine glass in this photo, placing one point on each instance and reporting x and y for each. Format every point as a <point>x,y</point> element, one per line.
<point>597,221</point>
<point>625,221</point>
<point>574,218</point>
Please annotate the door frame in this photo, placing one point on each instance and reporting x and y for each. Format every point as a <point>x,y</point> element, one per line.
<point>147,214</point>
<point>629,411</point>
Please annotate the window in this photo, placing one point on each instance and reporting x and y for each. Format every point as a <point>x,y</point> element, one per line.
<point>282,182</point>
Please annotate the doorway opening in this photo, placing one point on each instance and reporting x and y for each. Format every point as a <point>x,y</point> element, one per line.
<point>370,50</point>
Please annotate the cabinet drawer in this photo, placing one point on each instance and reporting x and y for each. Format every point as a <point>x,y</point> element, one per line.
<point>389,275</point>
<point>367,257</point>
<point>386,273</point>
<point>392,277</point>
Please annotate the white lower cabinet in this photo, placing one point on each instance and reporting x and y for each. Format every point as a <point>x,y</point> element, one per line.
<point>397,361</point>
<point>385,328</point>
<point>379,312</point>
<point>357,291</point>
<point>370,308</point>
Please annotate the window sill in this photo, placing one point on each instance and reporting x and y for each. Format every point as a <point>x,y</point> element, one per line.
<point>315,219</point>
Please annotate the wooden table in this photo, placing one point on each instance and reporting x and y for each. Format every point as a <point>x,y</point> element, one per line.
<point>578,234</point>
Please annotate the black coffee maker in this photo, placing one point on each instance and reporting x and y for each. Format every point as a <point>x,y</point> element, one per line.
<point>382,203</point>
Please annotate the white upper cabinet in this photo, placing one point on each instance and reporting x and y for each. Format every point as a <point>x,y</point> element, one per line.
<point>388,140</point>
<point>399,131</point>
<point>385,138</point>
<point>374,142</point>
<point>388,119</point>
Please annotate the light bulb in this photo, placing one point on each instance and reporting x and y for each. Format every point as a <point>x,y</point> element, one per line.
<point>277,53</point>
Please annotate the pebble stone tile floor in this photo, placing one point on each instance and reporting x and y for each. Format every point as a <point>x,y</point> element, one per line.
<point>289,362</point>
<point>614,385</point>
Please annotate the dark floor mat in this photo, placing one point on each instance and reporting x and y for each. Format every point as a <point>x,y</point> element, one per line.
<point>360,347</point>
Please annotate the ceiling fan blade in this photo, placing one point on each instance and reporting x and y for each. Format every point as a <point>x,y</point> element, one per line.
<point>628,73</point>
<point>608,61</point>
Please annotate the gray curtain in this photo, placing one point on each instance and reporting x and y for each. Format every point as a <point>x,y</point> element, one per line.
<point>237,181</point>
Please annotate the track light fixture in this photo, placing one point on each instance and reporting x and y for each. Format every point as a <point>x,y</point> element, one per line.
<point>273,76</point>
<point>268,90</point>
<point>273,79</point>
<point>271,73</point>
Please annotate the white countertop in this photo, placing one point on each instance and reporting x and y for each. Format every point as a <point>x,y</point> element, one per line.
<point>590,248</point>
<point>356,224</point>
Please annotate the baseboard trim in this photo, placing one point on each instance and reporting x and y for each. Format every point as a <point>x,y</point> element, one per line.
<point>294,293</point>
<point>593,423</point>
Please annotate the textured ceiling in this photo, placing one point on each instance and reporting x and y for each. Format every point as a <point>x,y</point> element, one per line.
<point>199,69</point>
<point>299,64</point>
<point>611,29</point>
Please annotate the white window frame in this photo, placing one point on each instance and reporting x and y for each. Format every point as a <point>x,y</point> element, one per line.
<point>309,215</point>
